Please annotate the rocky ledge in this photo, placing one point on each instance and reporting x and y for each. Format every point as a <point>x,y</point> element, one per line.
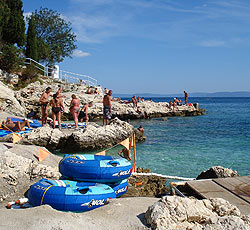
<point>19,168</point>
<point>92,137</point>
<point>22,101</point>
<point>172,212</point>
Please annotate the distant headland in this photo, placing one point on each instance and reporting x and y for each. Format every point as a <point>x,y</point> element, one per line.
<point>197,94</point>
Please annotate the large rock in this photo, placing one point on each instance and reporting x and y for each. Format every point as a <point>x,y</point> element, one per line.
<point>217,172</point>
<point>8,101</point>
<point>91,138</point>
<point>173,212</point>
<point>19,168</point>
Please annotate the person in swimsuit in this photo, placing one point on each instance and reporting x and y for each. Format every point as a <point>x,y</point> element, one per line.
<point>44,100</point>
<point>17,126</point>
<point>83,115</point>
<point>107,111</point>
<point>56,104</point>
<point>125,153</point>
<point>186,97</point>
<point>75,108</point>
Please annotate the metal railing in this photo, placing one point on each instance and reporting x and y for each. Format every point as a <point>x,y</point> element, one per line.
<point>77,78</point>
<point>63,75</point>
<point>37,65</point>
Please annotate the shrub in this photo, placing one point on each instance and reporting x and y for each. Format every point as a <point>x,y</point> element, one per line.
<point>10,58</point>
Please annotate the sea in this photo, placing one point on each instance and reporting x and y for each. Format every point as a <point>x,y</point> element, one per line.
<point>186,146</point>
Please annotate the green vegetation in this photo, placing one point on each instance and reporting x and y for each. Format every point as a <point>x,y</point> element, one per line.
<point>10,58</point>
<point>31,46</point>
<point>4,16</point>
<point>49,39</point>
<point>13,29</point>
<point>55,37</point>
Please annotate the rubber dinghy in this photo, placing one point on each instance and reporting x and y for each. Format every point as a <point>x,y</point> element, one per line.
<point>120,187</point>
<point>65,195</point>
<point>95,168</point>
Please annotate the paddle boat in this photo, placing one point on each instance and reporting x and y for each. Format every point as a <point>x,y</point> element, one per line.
<point>66,195</point>
<point>95,168</point>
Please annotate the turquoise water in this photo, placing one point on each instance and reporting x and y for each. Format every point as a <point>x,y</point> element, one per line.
<point>185,146</point>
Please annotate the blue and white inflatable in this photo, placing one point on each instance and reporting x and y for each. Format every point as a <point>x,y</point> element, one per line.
<point>68,195</point>
<point>95,168</point>
<point>120,187</point>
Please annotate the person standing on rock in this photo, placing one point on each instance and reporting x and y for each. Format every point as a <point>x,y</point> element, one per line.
<point>75,108</point>
<point>186,97</point>
<point>107,111</point>
<point>44,100</point>
<point>56,104</point>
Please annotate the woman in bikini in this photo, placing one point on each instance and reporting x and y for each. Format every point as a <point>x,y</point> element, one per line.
<point>75,108</point>
<point>56,104</point>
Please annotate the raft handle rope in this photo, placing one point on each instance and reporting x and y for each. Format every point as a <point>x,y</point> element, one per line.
<point>44,193</point>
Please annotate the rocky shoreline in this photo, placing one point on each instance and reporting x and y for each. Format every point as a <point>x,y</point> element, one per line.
<point>21,102</point>
<point>19,169</point>
<point>138,209</point>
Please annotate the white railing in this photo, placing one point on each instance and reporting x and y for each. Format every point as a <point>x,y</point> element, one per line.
<point>77,78</point>
<point>37,65</point>
<point>63,75</point>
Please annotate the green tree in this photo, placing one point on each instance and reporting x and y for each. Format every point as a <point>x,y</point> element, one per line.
<point>4,16</point>
<point>55,37</point>
<point>14,29</point>
<point>10,58</point>
<point>31,46</point>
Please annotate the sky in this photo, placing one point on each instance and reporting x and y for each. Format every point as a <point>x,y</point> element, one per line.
<point>158,46</point>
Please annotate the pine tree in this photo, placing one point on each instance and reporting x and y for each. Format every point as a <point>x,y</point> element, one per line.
<point>4,15</point>
<point>14,29</point>
<point>31,47</point>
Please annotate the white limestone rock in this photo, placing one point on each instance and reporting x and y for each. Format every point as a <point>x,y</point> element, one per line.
<point>173,212</point>
<point>8,102</point>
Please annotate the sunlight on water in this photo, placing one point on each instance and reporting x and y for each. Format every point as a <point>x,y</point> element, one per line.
<point>185,146</point>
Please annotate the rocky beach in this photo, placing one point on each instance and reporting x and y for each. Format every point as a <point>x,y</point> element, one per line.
<point>138,209</point>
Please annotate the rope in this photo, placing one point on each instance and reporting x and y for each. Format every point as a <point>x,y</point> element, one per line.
<point>164,176</point>
<point>45,192</point>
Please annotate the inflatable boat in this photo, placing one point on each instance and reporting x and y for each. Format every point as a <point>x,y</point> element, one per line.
<point>95,168</point>
<point>65,195</point>
<point>120,187</point>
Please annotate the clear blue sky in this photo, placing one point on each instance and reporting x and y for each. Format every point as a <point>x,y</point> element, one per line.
<point>159,46</point>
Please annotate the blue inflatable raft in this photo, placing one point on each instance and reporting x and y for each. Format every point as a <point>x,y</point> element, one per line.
<point>65,195</point>
<point>95,168</point>
<point>120,187</point>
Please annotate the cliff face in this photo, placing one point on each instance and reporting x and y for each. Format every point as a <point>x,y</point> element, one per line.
<point>8,101</point>
<point>19,168</point>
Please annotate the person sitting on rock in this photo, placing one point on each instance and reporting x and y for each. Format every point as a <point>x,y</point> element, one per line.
<point>141,129</point>
<point>139,111</point>
<point>83,115</point>
<point>125,153</point>
<point>170,105</point>
<point>18,126</point>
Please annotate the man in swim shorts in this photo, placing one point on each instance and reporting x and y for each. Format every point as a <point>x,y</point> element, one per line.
<point>44,103</point>
<point>107,111</point>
